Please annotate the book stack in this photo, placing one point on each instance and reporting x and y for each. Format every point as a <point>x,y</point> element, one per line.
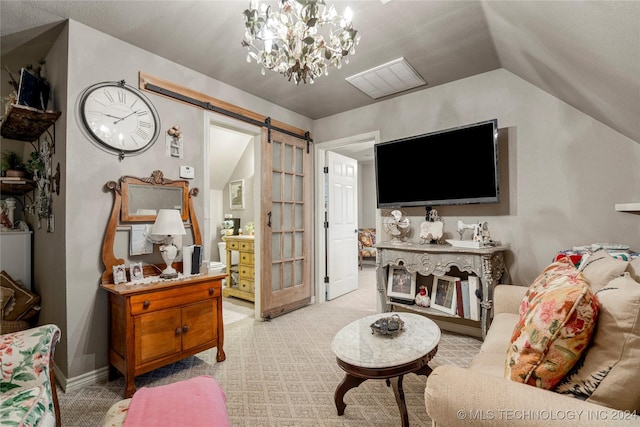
<point>13,180</point>
<point>468,297</point>
<point>191,259</point>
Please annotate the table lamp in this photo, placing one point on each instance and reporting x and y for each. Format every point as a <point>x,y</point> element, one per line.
<point>168,223</point>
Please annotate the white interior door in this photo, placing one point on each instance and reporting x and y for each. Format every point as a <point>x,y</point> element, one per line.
<point>342,218</point>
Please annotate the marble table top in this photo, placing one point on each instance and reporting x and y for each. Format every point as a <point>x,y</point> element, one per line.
<point>356,345</point>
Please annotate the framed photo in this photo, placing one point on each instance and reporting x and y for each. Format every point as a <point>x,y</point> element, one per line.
<point>119,274</point>
<point>443,294</point>
<point>135,271</point>
<point>236,194</point>
<point>401,284</point>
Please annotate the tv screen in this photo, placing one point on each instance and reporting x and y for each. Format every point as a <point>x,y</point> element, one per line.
<point>449,167</point>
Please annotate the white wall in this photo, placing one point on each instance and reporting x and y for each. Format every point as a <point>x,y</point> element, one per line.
<point>561,170</point>
<point>366,195</point>
<point>245,169</point>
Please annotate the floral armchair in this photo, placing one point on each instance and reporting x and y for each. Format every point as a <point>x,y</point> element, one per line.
<point>366,243</point>
<point>27,386</point>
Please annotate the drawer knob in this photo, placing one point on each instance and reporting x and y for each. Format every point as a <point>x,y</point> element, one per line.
<point>185,329</point>
<point>146,304</point>
<point>210,291</point>
<point>178,330</point>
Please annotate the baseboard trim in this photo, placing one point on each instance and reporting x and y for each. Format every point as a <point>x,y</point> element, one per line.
<point>76,383</point>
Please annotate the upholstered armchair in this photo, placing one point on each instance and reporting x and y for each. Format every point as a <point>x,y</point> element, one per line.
<point>27,387</point>
<point>366,243</point>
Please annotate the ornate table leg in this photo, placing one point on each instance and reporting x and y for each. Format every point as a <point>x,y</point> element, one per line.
<point>348,382</point>
<point>396,382</point>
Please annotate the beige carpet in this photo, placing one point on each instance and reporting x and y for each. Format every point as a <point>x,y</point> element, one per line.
<point>283,372</point>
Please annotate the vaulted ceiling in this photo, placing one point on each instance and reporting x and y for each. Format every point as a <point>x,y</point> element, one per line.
<point>585,53</point>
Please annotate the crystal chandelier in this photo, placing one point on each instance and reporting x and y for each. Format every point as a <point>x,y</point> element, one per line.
<point>291,41</point>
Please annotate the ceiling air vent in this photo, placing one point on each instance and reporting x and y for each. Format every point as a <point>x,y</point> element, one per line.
<point>387,79</point>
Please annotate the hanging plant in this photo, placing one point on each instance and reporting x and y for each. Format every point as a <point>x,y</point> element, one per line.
<point>36,165</point>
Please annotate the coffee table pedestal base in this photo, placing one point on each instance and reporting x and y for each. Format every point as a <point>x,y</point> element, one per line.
<point>393,376</point>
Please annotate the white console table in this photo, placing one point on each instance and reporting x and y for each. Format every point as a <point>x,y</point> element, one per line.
<point>487,263</point>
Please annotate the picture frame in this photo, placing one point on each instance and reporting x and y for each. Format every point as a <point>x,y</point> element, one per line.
<point>135,271</point>
<point>443,294</point>
<point>401,284</point>
<point>119,274</point>
<point>236,194</point>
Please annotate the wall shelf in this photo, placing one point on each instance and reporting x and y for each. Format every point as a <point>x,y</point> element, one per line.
<point>26,123</point>
<point>628,207</point>
<point>17,188</point>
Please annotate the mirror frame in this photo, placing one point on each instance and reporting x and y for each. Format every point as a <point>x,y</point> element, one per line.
<point>117,217</point>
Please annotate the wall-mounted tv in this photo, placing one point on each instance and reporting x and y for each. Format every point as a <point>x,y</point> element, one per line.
<point>450,167</point>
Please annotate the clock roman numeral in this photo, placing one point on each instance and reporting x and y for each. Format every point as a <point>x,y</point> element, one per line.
<point>134,141</point>
<point>134,103</point>
<point>145,124</point>
<point>122,97</point>
<point>142,113</point>
<point>142,134</point>
<point>109,96</point>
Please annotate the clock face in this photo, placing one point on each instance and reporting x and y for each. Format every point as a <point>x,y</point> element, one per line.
<point>119,117</point>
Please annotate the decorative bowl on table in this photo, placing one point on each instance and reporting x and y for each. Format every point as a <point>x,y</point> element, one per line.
<point>388,325</point>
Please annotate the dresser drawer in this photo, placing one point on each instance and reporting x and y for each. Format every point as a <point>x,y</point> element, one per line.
<point>173,297</point>
<point>232,244</point>
<point>247,285</point>
<point>246,246</point>
<point>246,271</point>
<point>246,258</point>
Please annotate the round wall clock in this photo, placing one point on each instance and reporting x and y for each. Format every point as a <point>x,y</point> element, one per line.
<point>120,118</point>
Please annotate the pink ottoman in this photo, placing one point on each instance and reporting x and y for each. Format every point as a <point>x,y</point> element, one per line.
<point>196,402</point>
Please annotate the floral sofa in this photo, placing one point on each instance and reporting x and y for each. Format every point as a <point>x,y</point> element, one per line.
<point>366,243</point>
<point>516,381</point>
<point>27,387</point>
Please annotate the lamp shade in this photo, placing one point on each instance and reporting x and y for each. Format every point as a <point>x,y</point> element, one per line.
<point>168,223</point>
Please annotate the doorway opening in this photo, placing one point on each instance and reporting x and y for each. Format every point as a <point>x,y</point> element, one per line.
<point>359,147</point>
<point>232,188</point>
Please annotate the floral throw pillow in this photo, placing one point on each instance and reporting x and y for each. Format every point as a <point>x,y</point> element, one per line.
<point>557,319</point>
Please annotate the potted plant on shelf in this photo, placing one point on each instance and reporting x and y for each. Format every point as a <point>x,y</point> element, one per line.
<point>227,227</point>
<point>250,227</point>
<point>12,164</point>
<point>35,165</point>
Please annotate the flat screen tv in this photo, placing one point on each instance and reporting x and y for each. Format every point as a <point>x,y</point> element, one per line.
<point>450,167</point>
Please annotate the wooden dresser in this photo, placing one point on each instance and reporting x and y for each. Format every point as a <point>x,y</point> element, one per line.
<point>244,287</point>
<point>153,325</point>
<point>154,322</point>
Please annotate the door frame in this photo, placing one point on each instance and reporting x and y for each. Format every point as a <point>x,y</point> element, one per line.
<point>320,246</point>
<point>212,119</point>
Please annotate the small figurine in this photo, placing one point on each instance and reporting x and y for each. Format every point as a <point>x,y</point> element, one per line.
<point>175,131</point>
<point>422,299</point>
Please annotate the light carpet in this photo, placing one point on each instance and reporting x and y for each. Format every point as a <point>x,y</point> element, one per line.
<point>234,310</point>
<point>283,373</point>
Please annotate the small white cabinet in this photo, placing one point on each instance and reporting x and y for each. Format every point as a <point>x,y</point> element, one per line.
<point>15,255</point>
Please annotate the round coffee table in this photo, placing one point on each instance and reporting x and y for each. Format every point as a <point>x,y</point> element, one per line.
<point>364,355</point>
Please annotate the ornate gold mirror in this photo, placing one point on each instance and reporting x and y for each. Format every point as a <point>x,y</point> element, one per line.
<point>139,200</point>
